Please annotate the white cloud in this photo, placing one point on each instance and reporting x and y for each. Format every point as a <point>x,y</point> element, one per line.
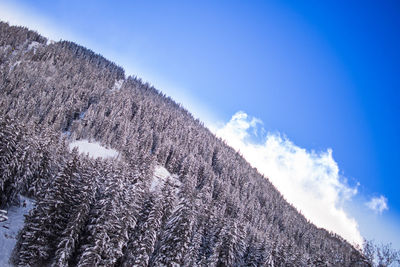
<point>308,180</point>
<point>378,204</point>
<point>94,150</point>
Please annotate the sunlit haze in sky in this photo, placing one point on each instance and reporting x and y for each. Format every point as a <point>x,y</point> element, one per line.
<point>308,91</point>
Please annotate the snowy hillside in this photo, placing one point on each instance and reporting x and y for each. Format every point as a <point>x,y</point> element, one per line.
<point>12,220</point>
<point>152,187</point>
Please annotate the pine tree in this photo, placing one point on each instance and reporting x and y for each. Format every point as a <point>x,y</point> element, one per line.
<point>114,214</point>
<point>229,249</point>
<point>176,234</point>
<point>69,238</point>
<point>45,224</point>
<point>11,151</point>
<point>146,235</point>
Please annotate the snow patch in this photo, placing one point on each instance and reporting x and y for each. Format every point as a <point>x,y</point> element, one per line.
<point>94,150</point>
<point>9,229</point>
<point>117,85</point>
<point>34,45</point>
<point>161,172</point>
<point>160,176</point>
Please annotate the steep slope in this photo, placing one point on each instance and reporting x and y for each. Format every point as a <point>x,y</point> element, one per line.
<point>221,213</point>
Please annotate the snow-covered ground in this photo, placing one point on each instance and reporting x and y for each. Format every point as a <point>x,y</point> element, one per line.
<point>94,149</point>
<point>161,175</point>
<point>10,228</point>
<point>117,85</point>
<point>34,45</point>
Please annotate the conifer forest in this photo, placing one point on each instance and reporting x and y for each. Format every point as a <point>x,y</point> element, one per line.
<point>176,195</point>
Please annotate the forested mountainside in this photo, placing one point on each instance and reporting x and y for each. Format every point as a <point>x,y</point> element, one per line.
<point>103,212</point>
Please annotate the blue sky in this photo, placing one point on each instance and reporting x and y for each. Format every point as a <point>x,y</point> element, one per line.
<point>322,74</point>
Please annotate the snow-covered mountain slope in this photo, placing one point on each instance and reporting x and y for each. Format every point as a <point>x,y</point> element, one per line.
<point>216,211</point>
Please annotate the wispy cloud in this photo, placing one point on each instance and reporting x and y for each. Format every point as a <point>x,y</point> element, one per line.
<point>307,179</point>
<point>20,15</point>
<point>378,204</point>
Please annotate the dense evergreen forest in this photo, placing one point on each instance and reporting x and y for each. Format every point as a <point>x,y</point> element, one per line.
<point>216,211</point>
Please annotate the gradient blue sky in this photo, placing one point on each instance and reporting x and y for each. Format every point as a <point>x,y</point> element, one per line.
<point>324,73</point>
